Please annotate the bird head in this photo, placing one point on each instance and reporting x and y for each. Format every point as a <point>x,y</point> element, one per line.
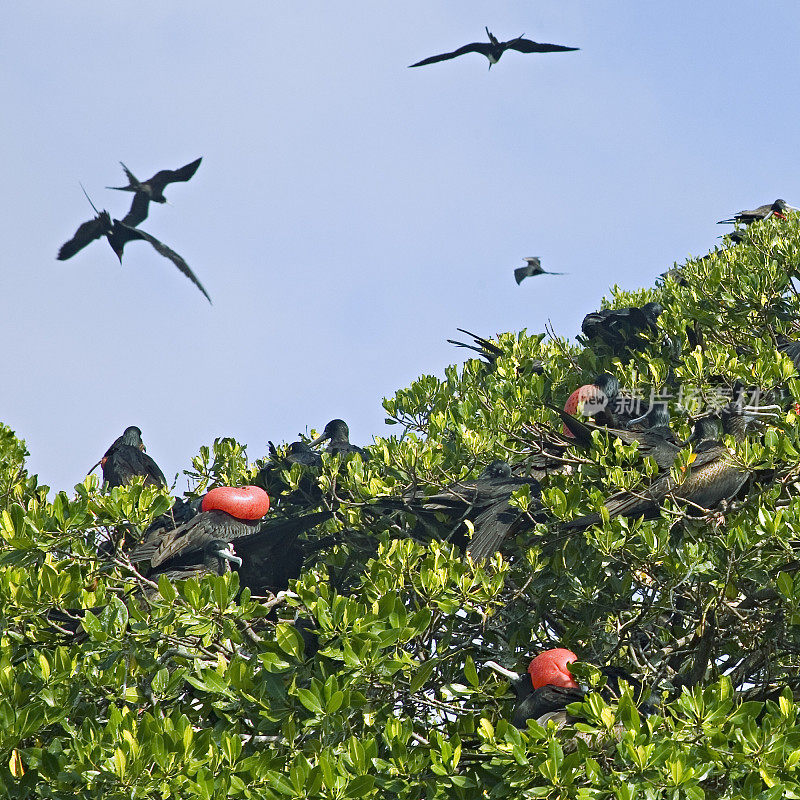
<point>133,437</point>
<point>335,430</point>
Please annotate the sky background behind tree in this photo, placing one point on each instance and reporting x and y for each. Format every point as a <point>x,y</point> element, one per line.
<point>351,213</point>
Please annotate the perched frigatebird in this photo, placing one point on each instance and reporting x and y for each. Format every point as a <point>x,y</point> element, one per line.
<point>153,188</point>
<point>619,327</point>
<point>209,532</point>
<point>483,501</point>
<point>126,459</point>
<point>271,476</point>
<point>748,217</point>
<point>542,697</point>
<point>267,554</point>
<point>495,48</point>
<point>534,268</point>
<point>337,434</point>
<point>491,352</point>
<point>620,406</point>
<point>119,233</point>
<point>651,431</point>
<point>299,453</point>
<point>712,475</point>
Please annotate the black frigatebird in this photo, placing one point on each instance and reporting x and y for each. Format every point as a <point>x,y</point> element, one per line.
<point>748,217</point>
<point>299,453</point>
<point>711,477</point>
<point>488,350</point>
<point>618,328</point>
<point>651,431</point>
<point>119,233</point>
<point>491,352</point>
<point>267,555</point>
<point>337,434</point>
<point>534,268</point>
<point>153,188</point>
<point>274,555</point>
<point>126,459</point>
<point>550,701</point>
<point>270,476</point>
<point>483,501</point>
<point>620,407</point>
<point>494,48</point>
<point>209,532</point>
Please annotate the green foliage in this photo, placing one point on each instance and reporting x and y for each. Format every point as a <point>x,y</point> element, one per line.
<point>368,678</point>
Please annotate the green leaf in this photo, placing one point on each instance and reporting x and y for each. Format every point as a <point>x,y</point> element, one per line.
<point>422,675</point>
<point>310,700</point>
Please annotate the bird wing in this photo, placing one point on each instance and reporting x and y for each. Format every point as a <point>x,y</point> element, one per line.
<point>475,47</point>
<point>127,462</point>
<point>520,273</point>
<point>487,349</point>
<point>86,233</point>
<point>491,528</point>
<point>195,535</point>
<point>527,46</point>
<point>749,215</point>
<point>165,251</point>
<point>166,176</point>
<point>138,210</point>
<point>133,183</point>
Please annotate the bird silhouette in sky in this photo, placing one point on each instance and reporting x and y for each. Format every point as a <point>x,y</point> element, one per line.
<point>120,232</point>
<point>494,49</point>
<point>153,188</point>
<point>534,267</point>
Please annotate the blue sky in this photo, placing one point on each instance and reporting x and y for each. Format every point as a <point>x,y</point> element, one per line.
<point>349,212</point>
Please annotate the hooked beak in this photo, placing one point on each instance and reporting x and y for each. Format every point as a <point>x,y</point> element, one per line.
<point>770,412</point>
<point>228,554</point>
<point>96,466</point>
<point>321,438</point>
<point>506,673</point>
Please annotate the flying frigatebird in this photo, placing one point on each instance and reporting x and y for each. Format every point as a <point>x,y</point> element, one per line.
<point>119,233</point>
<point>495,48</point>
<point>534,268</point>
<point>153,188</point>
<point>748,217</point>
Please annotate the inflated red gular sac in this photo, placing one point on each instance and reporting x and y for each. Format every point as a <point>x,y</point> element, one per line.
<point>242,502</point>
<point>547,687</point>
<point>227,513</point>
<point>585,401</point>
<point>551,668</point>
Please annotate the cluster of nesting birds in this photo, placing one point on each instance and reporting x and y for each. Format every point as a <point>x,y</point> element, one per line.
<point>197,536</point>
<point>119,232</point>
